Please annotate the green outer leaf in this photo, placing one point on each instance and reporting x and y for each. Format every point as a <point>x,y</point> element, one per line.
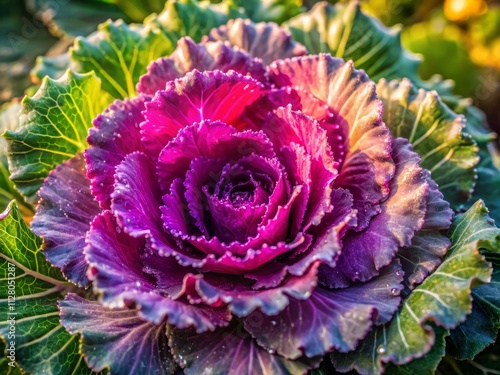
<point>270,10</point>
<point>482,325</point>
<point>443,298</point>
<point>119,54</point>
<point>488,181</point>
<point>5,368</point>
<point>436,135</point>
<point>476,124</point>
<point>53,127</point>
<point>485,363</point>
<point>52,66</point>
<point>42,345</point>
<point>194,19</point>
<point>345,31</point>
<point>9,119</point>
<point>427,364</point>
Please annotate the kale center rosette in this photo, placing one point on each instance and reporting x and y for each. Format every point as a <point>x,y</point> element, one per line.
<point>251,197</point>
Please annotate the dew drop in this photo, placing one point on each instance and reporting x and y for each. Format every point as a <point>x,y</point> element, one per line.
<point>273,322</point>
<point>381,349</point>
<point>271,351</point>
<point>394,292</point>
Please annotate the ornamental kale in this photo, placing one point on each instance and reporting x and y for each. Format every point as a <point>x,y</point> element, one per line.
<point>249,204</point>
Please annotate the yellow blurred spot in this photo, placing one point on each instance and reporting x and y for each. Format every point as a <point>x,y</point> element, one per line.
<point>463,10</point>
<point>488,56</point>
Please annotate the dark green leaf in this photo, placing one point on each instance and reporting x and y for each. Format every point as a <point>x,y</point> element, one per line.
<point>482,326</point>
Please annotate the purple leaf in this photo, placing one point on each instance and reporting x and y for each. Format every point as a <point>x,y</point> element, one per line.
<point>63,216</point>
<point>329,319</point>
<point>208,139</point>
<point>273,231</point>
<point>429,245</point>
<point>266,41</point>
<point>357,115</point>
<point>189,56</point>
<point>229,351</point>
<point>117,272</point>
<point>241,299</point>
<point>325,248</point>
<point>136,201</point>
<point>115,134</point>
<point>285,127</point>
<point>402,214</point>
<point>197,96</point>
<point>117,339</point>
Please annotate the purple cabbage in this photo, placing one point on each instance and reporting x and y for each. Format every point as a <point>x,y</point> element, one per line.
<point>249,197</point>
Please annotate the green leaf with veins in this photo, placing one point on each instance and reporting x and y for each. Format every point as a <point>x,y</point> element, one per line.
<point>443,298</point>
<point>427,364</point>
<point>436,135</point>
<point>488,181</point>
<point>270,10</point>
<point>42,344</point>
<point>5,368</point>
<point>482,325</point>
<point>193,18</point>
<point>120,53</point>
<point>9,119</point>
<point>476,125</point>
<point>345,31</point>
<point>53,127</point>
<point>52,66</point>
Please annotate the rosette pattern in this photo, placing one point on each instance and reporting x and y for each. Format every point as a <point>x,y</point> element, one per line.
<point>251,198</point>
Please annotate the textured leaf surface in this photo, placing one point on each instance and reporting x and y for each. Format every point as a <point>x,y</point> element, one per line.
<point>117,339</point>
<point>488,181</point>
<point>194,18</point>
<point>329,319</point>
<point>227,351</point>
<point>435,133</point>
<point>444,298</point>
<point>482,326</point>
<point>9,119</point>
<point>427,364</point>
<point>64,212</point>
<point>344,31</point>
<point>42,344</point>
<point>53,127</point>
<point>119,53</point>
